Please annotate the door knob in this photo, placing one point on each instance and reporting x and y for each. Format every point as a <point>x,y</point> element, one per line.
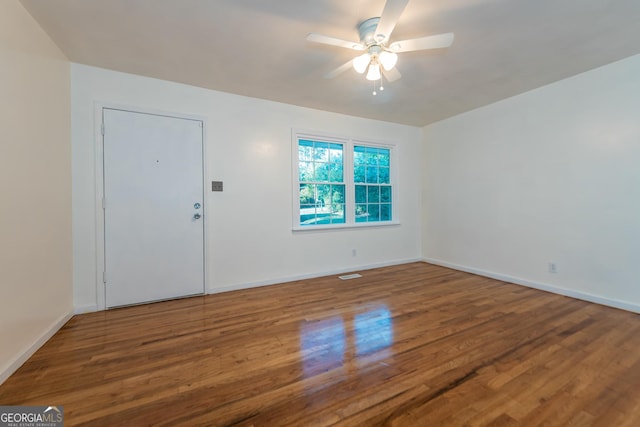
<point>197,216</point>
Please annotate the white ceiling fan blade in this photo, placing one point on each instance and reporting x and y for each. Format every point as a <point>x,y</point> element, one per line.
<point>341,69</point>
<point>390,15</point>
<point>321,38</point>
<point>429,42</point>
<point>392,75</point>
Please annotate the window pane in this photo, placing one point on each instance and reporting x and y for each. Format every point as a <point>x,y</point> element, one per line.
<point>338,194</point>
<point>385,212</point>
<point>321,219</point>
<point>383,157</point>
<point>335,155</point>
<point>321,152</point>
<point>338,220</point>
<point>372,175</point>
<point>358,155</point>
<point>371,156</point>
<point>307,195</point>
<point>321,171</point>
<point>359,174</point>
<point>323,195</point>
<point>305,150</point>
<point>361,213</point>
<point>361,194</point>
<point>383,174</point>
<point>337,213</point>
<point>385,194</point>
<point>307,204</point>
<point>373,194</point>
<point>305,171</point>
<point>335,172</point>
<point>374,212</point>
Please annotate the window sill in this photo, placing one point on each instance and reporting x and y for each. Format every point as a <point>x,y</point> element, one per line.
<point>334,227</point>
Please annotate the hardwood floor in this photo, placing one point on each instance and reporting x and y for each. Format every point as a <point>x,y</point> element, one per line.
<point>409,345</point>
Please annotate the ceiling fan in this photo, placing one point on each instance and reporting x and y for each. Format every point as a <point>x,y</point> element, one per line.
<point>380,56</point>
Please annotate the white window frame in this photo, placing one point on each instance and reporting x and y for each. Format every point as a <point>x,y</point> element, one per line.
<point>347,156</point>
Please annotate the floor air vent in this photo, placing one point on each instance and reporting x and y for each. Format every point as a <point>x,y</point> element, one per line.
<point>350,276</point>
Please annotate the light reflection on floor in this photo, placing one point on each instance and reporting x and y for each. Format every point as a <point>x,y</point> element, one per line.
<point>373,330</point>
<point>338,342</point>
<point>323,345</point>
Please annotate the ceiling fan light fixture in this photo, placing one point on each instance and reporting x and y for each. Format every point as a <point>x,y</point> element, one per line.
<point>378,54</point>
<point>374,72</point>
<point>360,63</point>
<point>388,59</point>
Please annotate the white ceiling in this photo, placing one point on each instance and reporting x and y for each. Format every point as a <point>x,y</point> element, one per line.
<point>258,48</point>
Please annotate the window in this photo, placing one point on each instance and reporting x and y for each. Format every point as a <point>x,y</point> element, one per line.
<point>373,183</point>
<point>321,180</point>
<point>340,182</point>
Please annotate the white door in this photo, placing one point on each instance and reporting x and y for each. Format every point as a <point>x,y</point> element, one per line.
<point>153,190</point>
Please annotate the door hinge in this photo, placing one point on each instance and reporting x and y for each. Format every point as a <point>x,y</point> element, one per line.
<point>104,203</point>
<point>102,129</point>
<point>104,277</point>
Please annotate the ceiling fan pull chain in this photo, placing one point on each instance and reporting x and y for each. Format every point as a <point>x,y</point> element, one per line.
<point>374,86</point>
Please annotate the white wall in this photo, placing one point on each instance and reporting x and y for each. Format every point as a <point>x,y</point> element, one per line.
<point>552,175</point>
<point>248,146</point>
<point>35,186</point>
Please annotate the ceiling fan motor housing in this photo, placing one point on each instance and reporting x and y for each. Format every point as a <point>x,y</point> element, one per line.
<point>367,30</point>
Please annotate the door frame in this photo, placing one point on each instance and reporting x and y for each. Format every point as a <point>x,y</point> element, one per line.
<point>99,106</point>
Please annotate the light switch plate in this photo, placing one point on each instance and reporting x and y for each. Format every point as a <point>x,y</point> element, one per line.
<point>216,185</point>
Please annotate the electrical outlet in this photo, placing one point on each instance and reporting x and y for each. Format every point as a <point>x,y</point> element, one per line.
<point>553,267</point>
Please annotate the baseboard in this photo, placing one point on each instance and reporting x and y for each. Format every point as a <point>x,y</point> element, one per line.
<point>27,353</point>
<point>85,309</point>
<point>309,276</point>
<point>623,305</point>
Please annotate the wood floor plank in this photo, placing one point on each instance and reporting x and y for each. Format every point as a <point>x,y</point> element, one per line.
<point>407,345</point>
